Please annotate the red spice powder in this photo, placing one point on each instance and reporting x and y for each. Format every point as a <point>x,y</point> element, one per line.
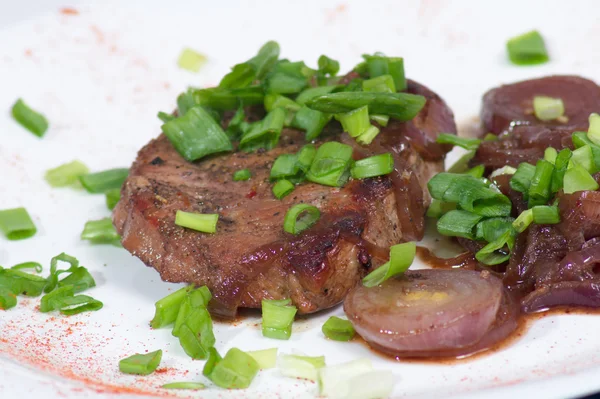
<point>68,11</point>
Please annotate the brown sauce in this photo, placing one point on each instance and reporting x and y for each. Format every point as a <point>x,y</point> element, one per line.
<point>465,260</point>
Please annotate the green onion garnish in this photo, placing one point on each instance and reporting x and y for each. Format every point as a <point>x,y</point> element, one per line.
<point>462,164</point>
<point>328,66</point>
<point>196,134</point>
<point>266,358</point>
<point>63,299</point>
<point>305,157</point>
<point>112,198</point>
<point>560,167</point>
<point>285,167</point>
<point>331,164</point>
<point>244,74</point>
<point>141,364</point>
<point>401,257</point>
<point>378,65</point>
<point>594,130</point>
<point>458,223</point>
<point>539,189</point>
<point>31,120</point>
<point>234,371</point>
<point>305,367</point>
<point>377,165</point>
<point>334,381</point>
<point>16,224</point>
<point>28,265</point>
<point>476,171</point>
<point>277,318</point>
<point>338,329</point>
<point>53,300</point>
<point>167,308</point>
<point>401,106</point>
<point>21,283</point>
<point>196,298</point>
<point>505,170</point>
<point>282,188</point>
<point>101,182</point>
<point>66,174</point>
<point>578,179</point>
<point>548,108</point>
<point>300,217</point>
<point>550,155</point>
<point>193,325</point>
<point>523,221</point>
<point>312,92</point>
<point>204,222</point>
<point>527,49</point>
<point>493,228</point>
<point>184,385</point>
<point>55,271</point>
<point>545,214</point>
<point>100,231</point>
<point>498,251</point>
<point>273,101</point>
<point>226,99</point>
<point>381,119</point>
<point>265,133</point>
<point>382,84</point>
<point>191,60</point>
<point>584,157</point>
<point>521,180</point>
<point>467,144</point>
<point>185,102</point>
<point>311,121</point>
<point>163,116</point>
<point>437,208</point>
<point>7,298</point>
<point>242,175</point>
<point>367,137</point>
<point>80,278</point>
<point>355,122</point>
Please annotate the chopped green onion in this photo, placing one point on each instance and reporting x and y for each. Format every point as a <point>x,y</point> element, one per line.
<point>491,229</point>
<point>16,224</point>
<point>381,119</point>
<point>63,299</point>
<point>560,167</point>
<point>521,180</point>
<point>163,116</point>
<point>498,251</point>
<point>285,167</point>
<point>185,102</point>
<point>55,271</point>
<point>545,214</point>
<point>311,121</point>
<point>264,134</point>
<point>458,223</point>
<point>242,175</point>
<point>401,257</point>
<point>101,182</point>
<point>367,137</point>
<point>141,364</point>
<point>594,130</point>
<point>578,179</point>
<point>548,108</point>
<point>328,66</point>
<point>584,157</point>
<point>523,221</point>
<point>196,298</point>
<point>377,165</point>
<point>191,60</point>
<point>66,174</point>
<point>527,49</point>
<point>28,265</point>
<point>196,333</point>
<point>266,358</point>
<point>241,75</point>
<point>539,189</point>
<point>196,134</point>
<point>550,155</point>
<point>204,222</point>
<point>505,170</point>
<point>382,83</point>
<point>22,283</point>
<point>312,92</point>
<point>462,164</point>
<point>285,83</point>
<point>467,144</point>
<point>282,188</point>
<point>266,58</point>
<point>273,101</point>
<point>401,106</point>
<point>277,318</point>
<point>437,208</point>
<point>331,164</point>
<point>167,308</point>
<point>234,371</point>
<point>300,217</point>
<point>237,124</point>
<point>7,298</point>
<point>184,385</point>
<point>100,232</point>
<point>338,329</point>
<point>305,367</point>
<point>31,120</point>
<point>355,122</point>
<point>333,380</point>
<point>112,198</point>
<point>244,74</point>
<point>476,171</point>
<point>305,157</point>
<point>227,99</point>
<point>378,65</point>
<point>53,300</point>
<point>80,279</point>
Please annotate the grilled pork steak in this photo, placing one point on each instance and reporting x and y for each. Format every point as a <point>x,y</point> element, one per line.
<point>250,257</point>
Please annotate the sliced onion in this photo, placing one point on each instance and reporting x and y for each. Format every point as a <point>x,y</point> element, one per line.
<point>568,293</point>
<point>426,312</point>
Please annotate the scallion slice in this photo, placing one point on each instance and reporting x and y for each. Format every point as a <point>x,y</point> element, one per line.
<point>550,155</point>
<point>377,165</point>
<point>368,136</point>
<point>312,92</point>
<point>379,64</point>
<point>277,318</point>
<point>265,133</point>
<point>594,130</point>
<point>491,229</point>
<point>55,271</point>
<point>328,66</point>
<point>523,221</point>
<point>545,214</point>
<point>282,188</point>
<point>401,257</point>
<point>382,84</point>
<point>305,157</point>
<point>167,308</point>
<point>101,182</point>
<point>28,265</point>
<point>141,364</point>
<point>548,108</point>
<point>66,174</point>
<point>31,120</point>
<point>458,223</point>
<point>286,167</point>
<point>527,49</point>
<point>191,60</point>
<point>63,299</point>
<point>266,358</point>
<point>273,101</point>
<point>560,167</point>
<point>80,278</point>
<point>333,380</point>
<point>310,121</point>
<point>467,144</point>
<point>498,251</point>
<point>184,385</point>
<point>437,208</point>
<point>476,171</point>
<point>100,231</point>
<point>196,335</point>
<point>196,135</point>
<point>16,224</point>
<point>300,217</point>
<point>163,116</point>
<point>112,198</point>
<point>242,175</point>
<point>521,180</point>
<point>584,157</point>
<point>21,283</point>
<point>234,371</point>
<point>305,367</point>
<point>355,122</point>
<point>219,99</point>
<point>578,179</point>
<point>331,164</point>
<point>8,299</point>
<point>383,120</point>
<point>505,170</point>
<point>539,189</point>
<point>204,222</point>
<point>338,329</point>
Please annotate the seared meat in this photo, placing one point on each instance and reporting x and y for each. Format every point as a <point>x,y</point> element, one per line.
<point>251,258</point>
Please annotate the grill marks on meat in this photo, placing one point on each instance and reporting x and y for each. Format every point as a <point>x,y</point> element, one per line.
<point>251,258</point>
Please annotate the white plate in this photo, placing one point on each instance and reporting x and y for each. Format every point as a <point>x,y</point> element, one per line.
<point>102,75</point>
